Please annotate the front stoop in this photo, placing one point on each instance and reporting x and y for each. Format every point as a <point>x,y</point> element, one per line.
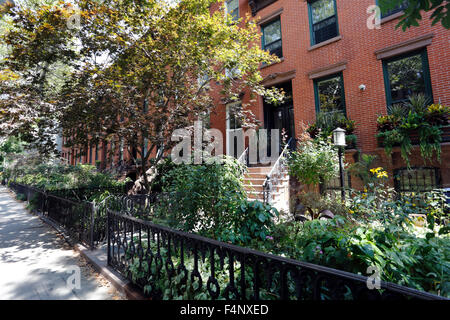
<point>253,184</point>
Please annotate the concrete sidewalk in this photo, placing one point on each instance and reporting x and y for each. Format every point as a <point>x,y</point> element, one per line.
<point>36,263</point>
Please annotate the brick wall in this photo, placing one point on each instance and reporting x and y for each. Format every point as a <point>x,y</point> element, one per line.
<point>357,47</point>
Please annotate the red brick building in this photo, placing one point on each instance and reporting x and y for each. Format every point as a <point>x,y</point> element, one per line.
<point>325,43</point>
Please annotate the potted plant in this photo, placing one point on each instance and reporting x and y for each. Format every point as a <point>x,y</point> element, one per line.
<point>328,121</point>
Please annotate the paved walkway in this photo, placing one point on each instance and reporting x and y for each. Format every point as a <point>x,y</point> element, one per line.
<point>36,263</point>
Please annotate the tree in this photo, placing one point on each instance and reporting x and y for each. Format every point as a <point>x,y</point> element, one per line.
<point>39,51</point>
<point>146,71</point>
<point>414,8</point>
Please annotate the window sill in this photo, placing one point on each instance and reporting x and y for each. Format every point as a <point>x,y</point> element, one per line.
<point>327,42</point>
<point>268,65</point>
<point>392,17</point>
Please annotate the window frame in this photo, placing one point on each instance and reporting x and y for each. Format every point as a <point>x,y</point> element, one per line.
<point>316,91</point>
<point>426,73</point>
<point>230,13</point>
<point>263,40</point>
<point>311,22</point>
<point>389,13</point>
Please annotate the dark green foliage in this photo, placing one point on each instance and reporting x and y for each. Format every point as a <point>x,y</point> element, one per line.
<point>32,170</point>
<point>253,221</point>
<point>204,197</point>
<point>414,119</point>
<point>402,257</point>
<point>415,9</point>
<point>328,121</point>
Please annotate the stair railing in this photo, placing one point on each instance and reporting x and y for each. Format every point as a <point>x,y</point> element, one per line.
<point>244,157</point>
<point>275,173</point>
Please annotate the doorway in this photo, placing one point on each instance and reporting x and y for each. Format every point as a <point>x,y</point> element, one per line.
<point>281,116</point>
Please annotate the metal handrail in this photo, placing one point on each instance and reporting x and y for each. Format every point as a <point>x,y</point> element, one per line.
<point>274,169</point>
<point>242,159</point>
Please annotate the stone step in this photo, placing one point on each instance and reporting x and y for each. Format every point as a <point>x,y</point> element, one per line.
<point>250,188</point>
<point>251,175</point>
<point>255,181</point>
<point>253,188</point>
<point>264,170</point>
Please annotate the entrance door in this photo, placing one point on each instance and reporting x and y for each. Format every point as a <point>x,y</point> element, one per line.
<point>283,120</point>
<point>281,117</point>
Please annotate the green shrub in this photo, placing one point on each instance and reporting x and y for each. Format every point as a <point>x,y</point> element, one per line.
<point>315,162</point>
<point>403,257</point>
<point>54,175</point>
<point>204,198</point>
<point>252,221</point>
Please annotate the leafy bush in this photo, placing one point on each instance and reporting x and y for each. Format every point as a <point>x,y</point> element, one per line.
<point>53,175</point>
<point>403,257</point>
<point>315,162</point>
<point>314,204</point>
<point>253,221</point>
<point>204,198</point>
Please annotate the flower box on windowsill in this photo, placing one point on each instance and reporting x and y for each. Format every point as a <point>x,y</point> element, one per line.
<point>414,136</point>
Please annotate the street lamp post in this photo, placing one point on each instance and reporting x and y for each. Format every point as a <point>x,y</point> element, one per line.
<point>339,141</point>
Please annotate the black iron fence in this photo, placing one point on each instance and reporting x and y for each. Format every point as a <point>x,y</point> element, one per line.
<point>35,197</point>
<point>170,264</point>
<point>86,194</point>
<point>84,220</point>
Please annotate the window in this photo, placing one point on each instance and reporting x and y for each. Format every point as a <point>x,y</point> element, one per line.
<point>233,8</point>
<point>96,152</point>
<point>233,119</point>
<point>271,40</point>
<point>407,75</point>
<point>329,94</point>
<point>388,12</point>
<point>232,73</point>
<point>145,147</point>
<point>205,118</point>
<point>90,154</point>
<point>234,128</point>
<point>323,20</point>
<point>416,179</point>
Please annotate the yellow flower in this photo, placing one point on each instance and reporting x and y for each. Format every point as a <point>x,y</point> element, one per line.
<point>351,211</point>
<point>382,174</point>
